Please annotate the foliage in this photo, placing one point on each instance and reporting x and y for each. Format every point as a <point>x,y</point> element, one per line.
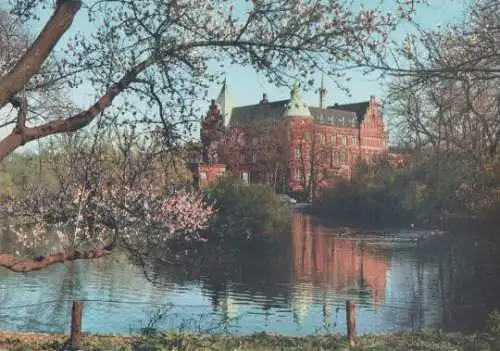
<point>377,196</point>
<point>426,340</point>
<point>356,204</point>
<point>243,211</point>
<point>419,192</point>
<point>445,108</point>
<point>101,194</point>
<point>445,115</point>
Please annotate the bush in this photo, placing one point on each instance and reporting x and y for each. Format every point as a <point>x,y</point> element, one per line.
<point>243,211</point>
<point>356,203</point>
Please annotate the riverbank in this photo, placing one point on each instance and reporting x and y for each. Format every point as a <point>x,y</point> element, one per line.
<point>429,340</point>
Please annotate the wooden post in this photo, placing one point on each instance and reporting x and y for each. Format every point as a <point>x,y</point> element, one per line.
<point>351,322</point>
<point>76,325</point>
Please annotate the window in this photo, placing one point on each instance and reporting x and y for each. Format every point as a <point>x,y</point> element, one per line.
<point>322,137</point>
<point>254,141</point>
<point>307,154</point>
<point>307,135</point>
<point>335,158</point>
<point>203,175</point>
<point>343,157</point>
<point>354,140</point>
<point>299,174</point>
<point>334,139</point>
<point>242,158</point>
<point>254,157</point>
<point>241,139</point>
<point>344,140</point>
<point>297,153</point>
<point>244,177</point>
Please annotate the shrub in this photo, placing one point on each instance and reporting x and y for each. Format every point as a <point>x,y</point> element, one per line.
<point>354,202</point>
<point>243,211</point>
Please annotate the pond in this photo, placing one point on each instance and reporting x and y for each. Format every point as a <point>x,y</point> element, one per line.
<point>398,281</point>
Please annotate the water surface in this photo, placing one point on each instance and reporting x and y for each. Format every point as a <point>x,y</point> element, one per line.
<point>398,281</point>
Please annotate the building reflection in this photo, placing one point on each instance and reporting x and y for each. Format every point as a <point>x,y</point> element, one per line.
<point>321,260</point>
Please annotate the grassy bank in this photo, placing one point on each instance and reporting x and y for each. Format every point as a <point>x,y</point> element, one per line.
<point>429,340</point>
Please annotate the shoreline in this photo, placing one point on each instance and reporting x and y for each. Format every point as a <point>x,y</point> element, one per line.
<point>425,340</point>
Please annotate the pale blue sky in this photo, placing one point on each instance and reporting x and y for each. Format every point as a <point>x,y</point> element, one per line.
<point>248,87</point>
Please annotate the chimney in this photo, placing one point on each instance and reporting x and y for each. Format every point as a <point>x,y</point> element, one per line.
<point>264,99</point>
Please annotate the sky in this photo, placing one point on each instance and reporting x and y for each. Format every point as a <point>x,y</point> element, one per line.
<point>248,87</point>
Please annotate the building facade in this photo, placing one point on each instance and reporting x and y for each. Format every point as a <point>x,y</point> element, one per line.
<point>291,145</point>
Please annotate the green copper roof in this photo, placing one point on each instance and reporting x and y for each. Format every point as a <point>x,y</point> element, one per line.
<point>296,107</point>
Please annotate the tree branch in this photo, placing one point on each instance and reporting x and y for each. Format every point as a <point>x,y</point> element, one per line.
<point>75,122</point>
<point>33,59</point>
<point>24,265</point>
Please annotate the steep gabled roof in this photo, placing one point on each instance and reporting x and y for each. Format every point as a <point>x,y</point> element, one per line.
<point>264,112</point>
<point>273,111</point>
<point>359,108</point>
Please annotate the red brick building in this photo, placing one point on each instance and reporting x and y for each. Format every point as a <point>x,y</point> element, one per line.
<point>294,146</point>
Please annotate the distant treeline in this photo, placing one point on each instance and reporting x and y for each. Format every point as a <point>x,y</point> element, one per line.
<point>421,192</point>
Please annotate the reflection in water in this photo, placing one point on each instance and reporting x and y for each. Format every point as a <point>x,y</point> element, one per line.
<point>343,265</point>
<point>296,287</point>
<point>469,274</point>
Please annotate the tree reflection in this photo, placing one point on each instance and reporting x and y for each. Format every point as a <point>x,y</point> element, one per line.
<point>470,271</point>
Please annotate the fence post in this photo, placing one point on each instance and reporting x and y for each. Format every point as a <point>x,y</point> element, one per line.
<point>351,322</point>
<point>76,325</point>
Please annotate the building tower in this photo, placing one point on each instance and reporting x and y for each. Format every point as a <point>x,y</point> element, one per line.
<point>226,102</point>
<point>295,107</point>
